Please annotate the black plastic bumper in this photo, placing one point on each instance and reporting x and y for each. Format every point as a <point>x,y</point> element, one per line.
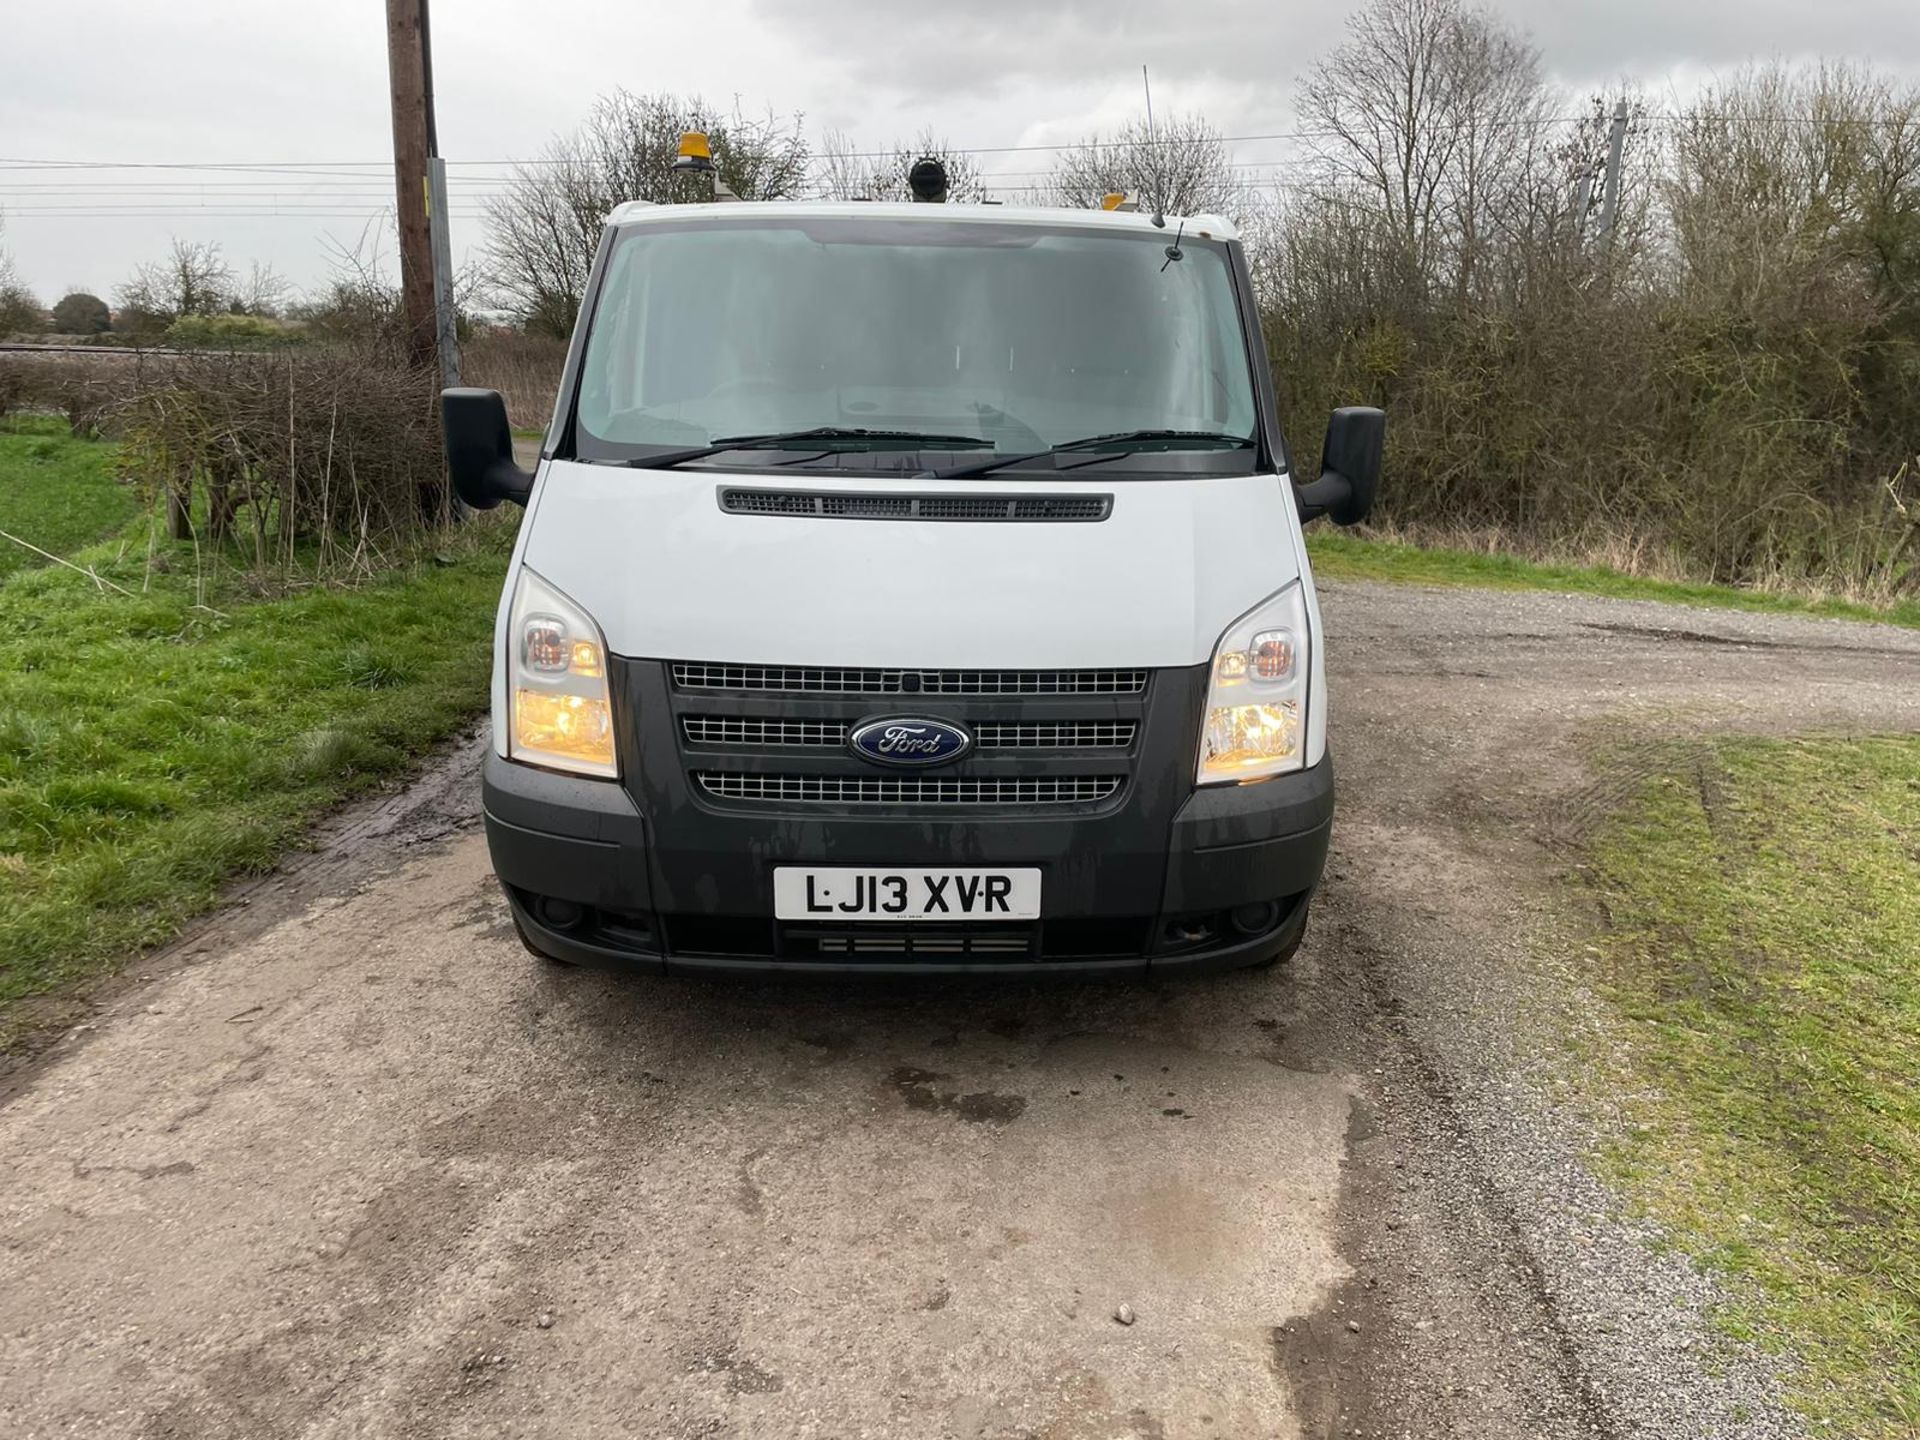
<point>591,883</point>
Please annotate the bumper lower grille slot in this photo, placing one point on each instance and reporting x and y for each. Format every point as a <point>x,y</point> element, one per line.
<point>910,789</point>
<point>958,942</point>
<point>840,680</point>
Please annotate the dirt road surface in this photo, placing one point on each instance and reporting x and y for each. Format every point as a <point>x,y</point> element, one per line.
<point>347,1162</point>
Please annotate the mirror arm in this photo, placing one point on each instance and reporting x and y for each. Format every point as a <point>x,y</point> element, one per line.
<point>1331,492</point>
<point>507,480</point>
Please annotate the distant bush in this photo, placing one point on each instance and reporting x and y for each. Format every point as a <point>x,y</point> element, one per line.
<point>228,332</point>
<point>20,313</point>
<point>79,313</point>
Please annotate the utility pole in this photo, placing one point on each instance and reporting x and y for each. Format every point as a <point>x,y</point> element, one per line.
<point>1584,202</point>
<point>1616,143</point>
<point>412,149</point>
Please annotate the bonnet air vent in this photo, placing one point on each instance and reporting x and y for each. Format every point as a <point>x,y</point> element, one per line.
<point>843,505</point>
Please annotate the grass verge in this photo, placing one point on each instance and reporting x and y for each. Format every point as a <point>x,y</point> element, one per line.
<point>155,744</point>
<point>1762,954</point>
<point>1338,556</point>
<point>56,492</point>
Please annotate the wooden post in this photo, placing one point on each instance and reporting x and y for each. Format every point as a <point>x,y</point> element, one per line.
<point>221,470</point>
<point>412,145</point>
<point>180,502</point>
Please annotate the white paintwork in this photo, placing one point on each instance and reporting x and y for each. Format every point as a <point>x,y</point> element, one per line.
<point>1205,227</point>
<point>1316,750</point>
<point>669,575</point>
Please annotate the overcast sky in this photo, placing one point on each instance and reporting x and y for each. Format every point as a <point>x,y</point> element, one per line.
<point>243,82</point>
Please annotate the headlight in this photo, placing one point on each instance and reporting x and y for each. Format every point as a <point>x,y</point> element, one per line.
<point>1256,716</point>
<point>557,683</point>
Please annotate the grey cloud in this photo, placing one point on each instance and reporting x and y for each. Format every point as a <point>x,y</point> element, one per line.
<point>1000,47</point>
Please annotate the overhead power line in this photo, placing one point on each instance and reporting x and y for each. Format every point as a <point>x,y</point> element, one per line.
<point>499,184</point>
<point>328,166</point>
<point>364,169</point>
<point>57,189</point>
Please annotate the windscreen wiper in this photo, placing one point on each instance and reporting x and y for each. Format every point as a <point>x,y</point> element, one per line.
<point>1127,442</point>
<point>830,437</point>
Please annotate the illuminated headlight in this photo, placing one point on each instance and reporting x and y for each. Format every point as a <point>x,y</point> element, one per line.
<point>1256,718</point>
<point>557,683</point>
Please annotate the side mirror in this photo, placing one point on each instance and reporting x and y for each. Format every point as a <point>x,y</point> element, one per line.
<point>1349,467</point>
<point>480,449</point>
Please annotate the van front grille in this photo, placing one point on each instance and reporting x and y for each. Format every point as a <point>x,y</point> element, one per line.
<point>710,731</point>
<point>777,736</point>
<point>762,788</point>
<point>838,680</point>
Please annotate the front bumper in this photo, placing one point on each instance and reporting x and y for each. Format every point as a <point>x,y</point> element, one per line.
<point>592,881</point>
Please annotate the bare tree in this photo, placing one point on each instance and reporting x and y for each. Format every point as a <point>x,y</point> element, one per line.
<point>194,279</point>
<point>1435,118</point>
<point>847,174</point>
<point>1840,189</point>
<point>545,228</point>
<point>1182,167</point>
<point>360,302</point>
<point>1380,97</point>
<point>264,292</point>
<point>1498,106</point>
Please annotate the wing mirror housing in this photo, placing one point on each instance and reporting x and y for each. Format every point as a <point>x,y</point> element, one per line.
<point>480,448</point>
<point>1349,467</point>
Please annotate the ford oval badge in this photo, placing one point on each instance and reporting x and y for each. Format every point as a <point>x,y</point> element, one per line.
<point>909,740</point>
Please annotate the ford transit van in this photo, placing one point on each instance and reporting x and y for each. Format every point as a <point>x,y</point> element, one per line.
<point>911,587</point>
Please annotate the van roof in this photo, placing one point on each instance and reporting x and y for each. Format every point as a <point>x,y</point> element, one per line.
<point>1204,227</point>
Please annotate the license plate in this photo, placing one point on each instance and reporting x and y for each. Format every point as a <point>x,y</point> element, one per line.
<point>843,893</point>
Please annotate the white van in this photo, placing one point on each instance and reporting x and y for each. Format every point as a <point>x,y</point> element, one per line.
<point>911,587</point>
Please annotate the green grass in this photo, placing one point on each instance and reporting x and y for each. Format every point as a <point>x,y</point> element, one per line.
<point>1762,955</point>
<point>1338,556</point>
<point>56,492</point>
<point>151,749</point>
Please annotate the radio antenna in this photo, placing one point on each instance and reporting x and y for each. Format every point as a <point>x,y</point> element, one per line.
<point>1153,150</point>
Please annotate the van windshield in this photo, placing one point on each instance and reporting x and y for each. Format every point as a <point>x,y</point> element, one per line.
<point>987,338</point>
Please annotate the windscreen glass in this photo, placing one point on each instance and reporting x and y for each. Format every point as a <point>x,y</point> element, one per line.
<point>1012,336</point>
